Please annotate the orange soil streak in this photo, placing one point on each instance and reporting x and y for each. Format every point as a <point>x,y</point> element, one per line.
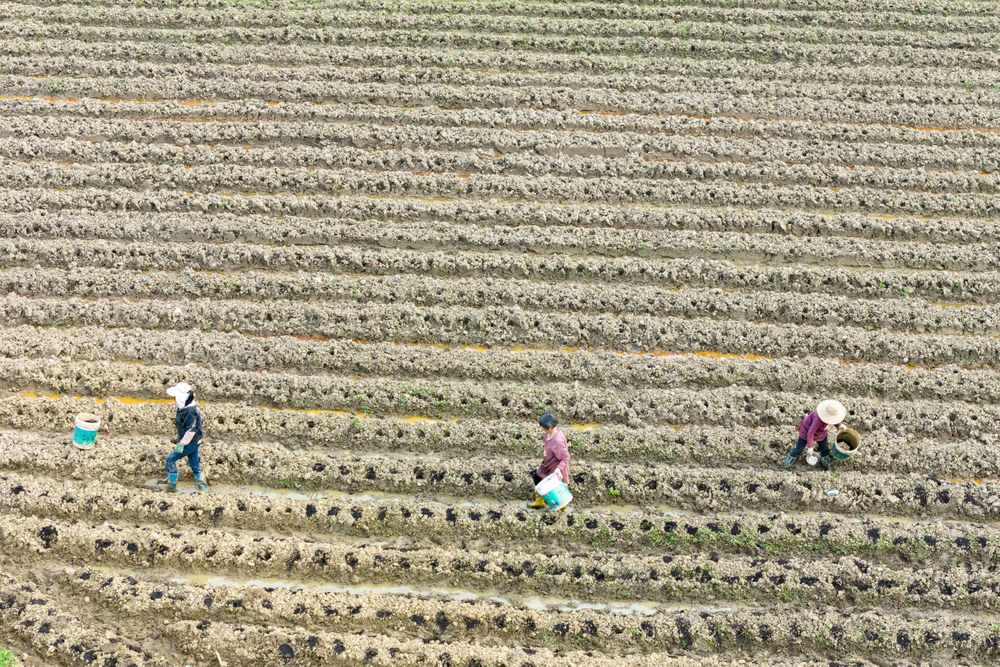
<point>960,480</point>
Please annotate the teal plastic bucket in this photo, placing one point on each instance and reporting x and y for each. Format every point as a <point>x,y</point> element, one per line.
<point>554,492</point>
<point>85,433</point>
<point>846,444</point>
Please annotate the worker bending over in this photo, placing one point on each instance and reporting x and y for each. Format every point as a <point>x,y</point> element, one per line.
<point>189,435</point>
<point>813,430</point>
<point>555,456</point>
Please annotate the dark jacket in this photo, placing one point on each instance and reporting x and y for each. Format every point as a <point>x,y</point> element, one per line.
<point>188,420</point>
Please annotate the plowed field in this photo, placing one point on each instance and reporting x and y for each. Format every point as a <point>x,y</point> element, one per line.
<point>382,237</point>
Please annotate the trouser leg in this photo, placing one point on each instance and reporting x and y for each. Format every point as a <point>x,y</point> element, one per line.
<point>800,446</point>
<point>191,451</point>
<point>171,460</point>
<point>824,447</point>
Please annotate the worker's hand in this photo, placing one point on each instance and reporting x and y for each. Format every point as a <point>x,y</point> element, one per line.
<point>179,448</point>
<point>174,441</point>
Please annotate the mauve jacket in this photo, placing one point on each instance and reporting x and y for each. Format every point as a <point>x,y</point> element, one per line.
<point>812,429</point>
<point>556,456</point>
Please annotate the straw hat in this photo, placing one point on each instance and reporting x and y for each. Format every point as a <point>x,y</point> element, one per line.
<point>831,412</point>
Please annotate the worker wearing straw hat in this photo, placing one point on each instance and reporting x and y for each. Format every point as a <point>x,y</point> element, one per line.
<point>813,430</point>
<point>189,435</point>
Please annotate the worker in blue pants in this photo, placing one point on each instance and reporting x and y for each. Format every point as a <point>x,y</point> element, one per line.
<point>189,435</point>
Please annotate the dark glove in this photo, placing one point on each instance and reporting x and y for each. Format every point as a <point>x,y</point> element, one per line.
<point>174,441</point>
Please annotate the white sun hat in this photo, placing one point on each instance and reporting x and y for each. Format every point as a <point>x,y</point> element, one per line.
<point>831,412</point>
<point>180,389</point>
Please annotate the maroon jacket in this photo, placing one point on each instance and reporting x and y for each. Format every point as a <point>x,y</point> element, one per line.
<point>556,456</point>
<point>812,429</point>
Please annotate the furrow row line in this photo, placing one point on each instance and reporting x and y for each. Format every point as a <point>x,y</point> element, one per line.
<point>663,370</point>
<point>737,630</point>
<point>319,24</point>
<point>764,100</point>
<point>880,14</point>
<point>538,226</point>
<point>230,181</point>
<point>866,19</point>
<point>689,577</point>
<point>27,612</point>
<point>230,118</point>
<point>306,144</point>
<point>292,55</point>
<point>506,326</point>
<point>472,525</point>
<point>642,163</point>
<point>634,91</point>
<point>689,488</point>
<point>678,44</point>
<point>335,290</point>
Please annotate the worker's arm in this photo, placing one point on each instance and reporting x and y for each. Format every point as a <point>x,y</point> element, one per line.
<point>811,434</point>
<point>562,455</point>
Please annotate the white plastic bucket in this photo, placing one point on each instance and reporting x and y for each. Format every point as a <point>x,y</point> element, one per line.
<point>554,492</point>
<point>85,433</point>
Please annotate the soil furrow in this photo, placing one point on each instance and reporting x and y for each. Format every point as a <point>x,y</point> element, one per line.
<point>490,624</point>
<point>320,25</point>
<point>294,143</point>
<point>387,396</point>
<point>701,188</point>
<point>349,358</point>
<point>655,81</point>
<point>319,430</point>
<point>270,117</point>
<point>715,99</point>
<point>689,488</point>
<point>913,316</point>
<point>861,22</point>
<point>881,14</point>
<point>547,228</point>
<point>290,55</point>
<point>29,614</point>
<point>651,164</point>
<point>507,327</point>
<point>677,45</point>
<point>744,248</point>
<point>696,577</point>
<point>479,525</point>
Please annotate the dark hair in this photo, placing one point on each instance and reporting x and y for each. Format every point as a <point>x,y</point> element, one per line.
<point>548,421</point>
<point>190,399</point>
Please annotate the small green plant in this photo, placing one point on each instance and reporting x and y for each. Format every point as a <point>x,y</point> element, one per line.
<point>7,658</point>
<point>614,493</point>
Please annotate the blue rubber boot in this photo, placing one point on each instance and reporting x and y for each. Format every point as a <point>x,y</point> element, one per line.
<point>172,480</point>
<point>202,484</point>
<point>789,460</point>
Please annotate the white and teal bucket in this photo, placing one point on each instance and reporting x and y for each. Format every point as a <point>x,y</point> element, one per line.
<point>554,492</point>
<point>85,433</point>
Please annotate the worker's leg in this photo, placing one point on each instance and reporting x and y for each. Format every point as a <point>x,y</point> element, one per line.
<point>191,451</point>
<point>539,502</point>
<point>172,458</point>
<point>800,446</point>
<point>824,452</point>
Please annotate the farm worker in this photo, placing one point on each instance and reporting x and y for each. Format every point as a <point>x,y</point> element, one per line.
<point>555,456</point>
<point>189,435</point>
<point>813,430</point>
